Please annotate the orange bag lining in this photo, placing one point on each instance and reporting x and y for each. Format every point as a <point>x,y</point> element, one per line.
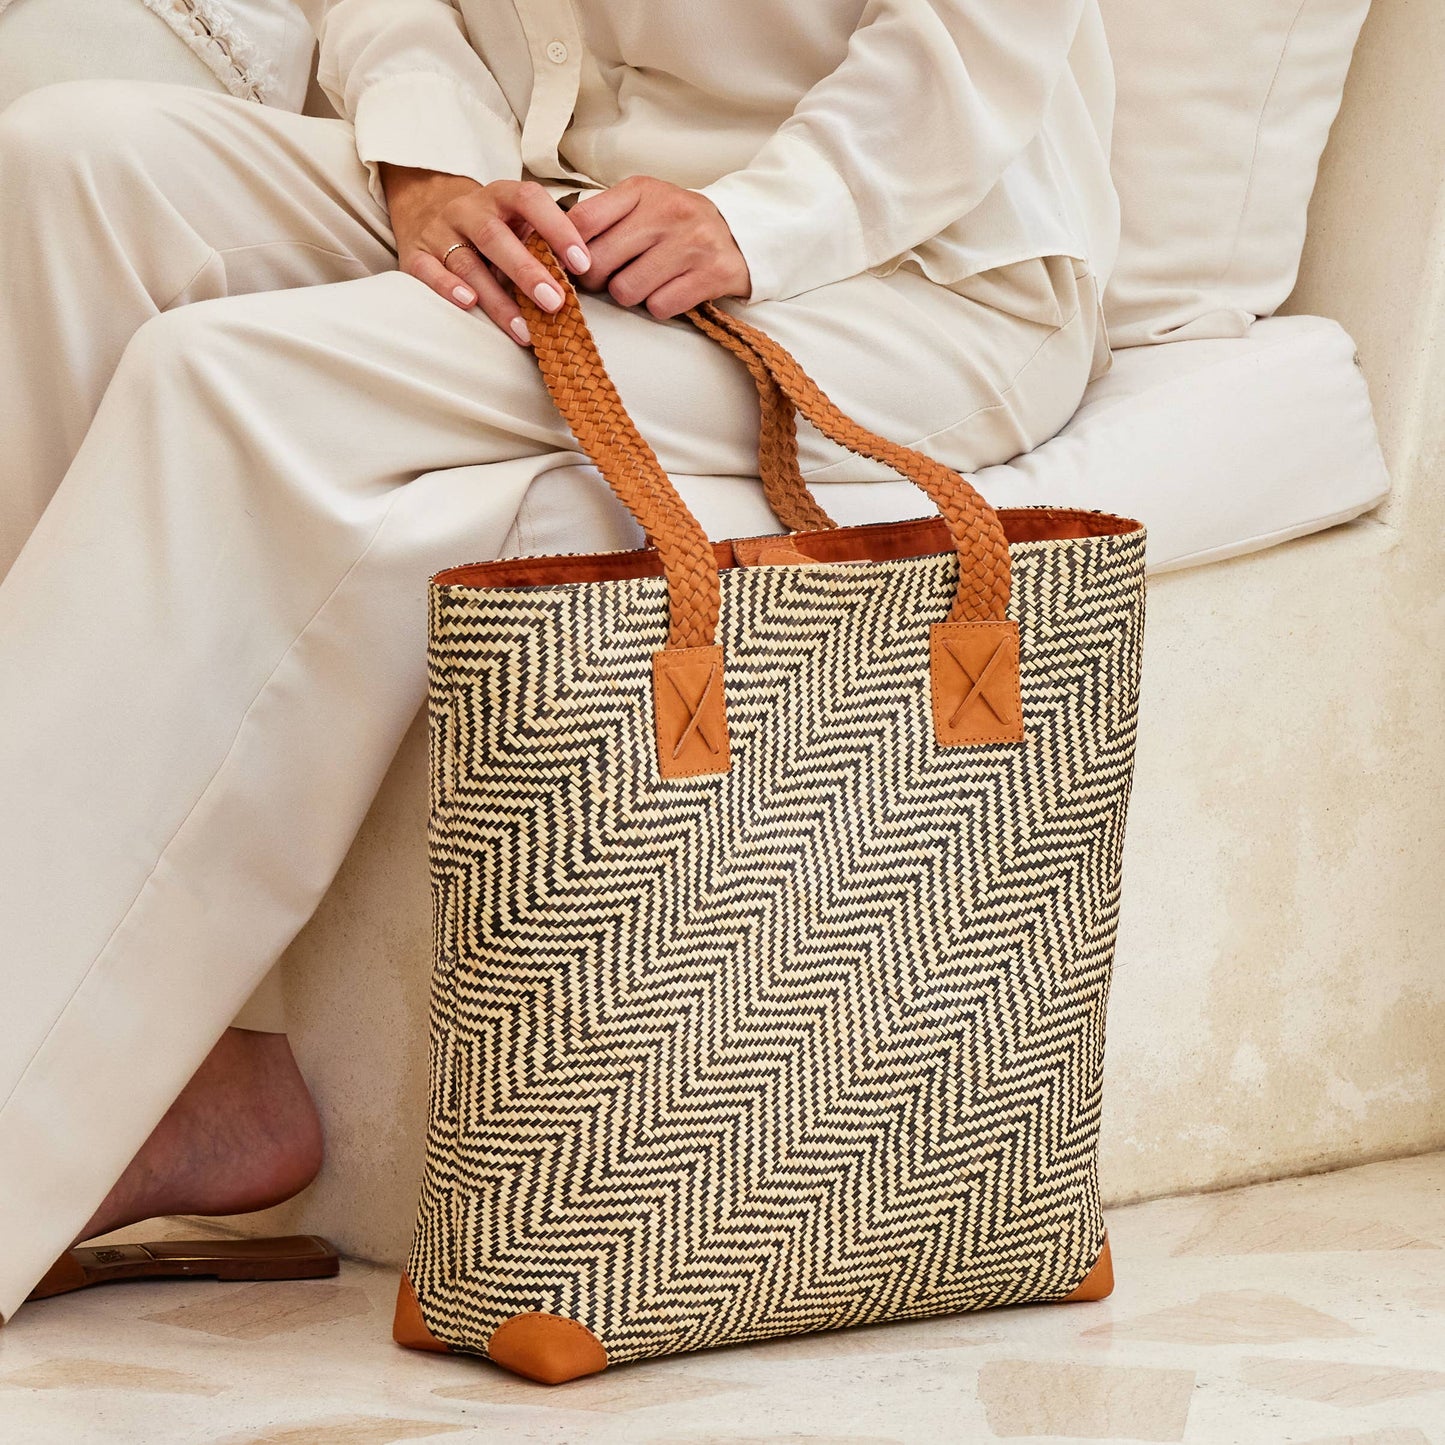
<point>876,542</point>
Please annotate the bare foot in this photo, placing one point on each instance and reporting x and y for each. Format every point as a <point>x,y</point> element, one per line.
<point>244,1134</point>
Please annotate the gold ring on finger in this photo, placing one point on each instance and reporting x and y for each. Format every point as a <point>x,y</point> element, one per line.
<point>458,246</point>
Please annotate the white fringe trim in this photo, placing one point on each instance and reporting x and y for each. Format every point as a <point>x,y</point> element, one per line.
<point>209,31</point>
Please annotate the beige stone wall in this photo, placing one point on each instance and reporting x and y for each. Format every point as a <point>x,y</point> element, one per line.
<point>1280,998</point>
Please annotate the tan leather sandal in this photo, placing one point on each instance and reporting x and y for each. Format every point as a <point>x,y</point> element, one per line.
<point>295,1256</point>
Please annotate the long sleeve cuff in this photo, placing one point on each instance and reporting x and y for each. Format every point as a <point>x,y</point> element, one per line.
<point>793,218</point>
<point>426,119</point>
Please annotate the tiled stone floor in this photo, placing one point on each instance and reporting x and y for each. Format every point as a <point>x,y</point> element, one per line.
<point>1305,1310</point>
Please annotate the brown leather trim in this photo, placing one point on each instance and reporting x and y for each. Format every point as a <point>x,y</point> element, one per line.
<point>408,1327</point>
<point>876,542</point>
<point>1098,1283</point>
<point>973,670</point>
<point>769,552</point>
<point>690,712</point>
<point>546,1348</point>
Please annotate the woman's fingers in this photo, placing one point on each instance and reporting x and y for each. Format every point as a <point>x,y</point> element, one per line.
<point>496,240</point>
<point>523,207</point>
<point>491,220</point>
<point>461,259</point>
<point>605,209</point>
<point>431,211</point>
<point>477,287</point>
<point>445,283</point>
<point>497,302</point>
<point>534,206</point>
<point>680,294</point>
<point>492,296</point>
<point>647,268</point>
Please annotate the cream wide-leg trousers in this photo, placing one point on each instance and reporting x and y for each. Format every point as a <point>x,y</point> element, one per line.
<point>234,444</point>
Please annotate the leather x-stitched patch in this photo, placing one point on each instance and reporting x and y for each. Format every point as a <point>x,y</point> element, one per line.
<point>974,675</point>
<point>690,711</point>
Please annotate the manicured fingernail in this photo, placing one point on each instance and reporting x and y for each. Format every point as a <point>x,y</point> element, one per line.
<point>549,298</point>
<point>519,330</point>
<point>466,297</point>
<point>577,259</point>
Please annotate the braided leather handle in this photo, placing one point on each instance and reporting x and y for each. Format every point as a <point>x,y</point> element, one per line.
<point>978,535</point>
<point>783,485</point>
<point>585,395</point>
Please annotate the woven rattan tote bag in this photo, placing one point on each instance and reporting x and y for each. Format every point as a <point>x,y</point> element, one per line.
<point>775,888</point>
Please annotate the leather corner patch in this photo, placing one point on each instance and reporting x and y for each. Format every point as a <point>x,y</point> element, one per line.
<point>690,712</point>
<point>1098,1283</point>
<point>974,677</point>
<point>547,1348</point>
<point>409,1328</point>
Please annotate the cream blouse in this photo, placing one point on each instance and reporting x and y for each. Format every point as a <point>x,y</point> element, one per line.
<point>835,136</point>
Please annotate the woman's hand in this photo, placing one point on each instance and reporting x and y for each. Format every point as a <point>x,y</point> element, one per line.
<point>656,243</point>
<point>432,211</point>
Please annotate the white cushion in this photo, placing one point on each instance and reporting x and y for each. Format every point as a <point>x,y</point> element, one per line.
<point>276,42</point>
<point>1223,110</point>
<point>1218,446</point>
<point>255,49</point>
<point>45,42</point>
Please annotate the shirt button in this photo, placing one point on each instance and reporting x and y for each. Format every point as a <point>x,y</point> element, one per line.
<point>557,53</point>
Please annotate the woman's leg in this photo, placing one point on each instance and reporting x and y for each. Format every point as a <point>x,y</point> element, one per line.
<point>118,201</point>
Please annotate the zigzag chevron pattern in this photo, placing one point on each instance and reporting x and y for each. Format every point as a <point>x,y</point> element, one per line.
<point>814,1043</point>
